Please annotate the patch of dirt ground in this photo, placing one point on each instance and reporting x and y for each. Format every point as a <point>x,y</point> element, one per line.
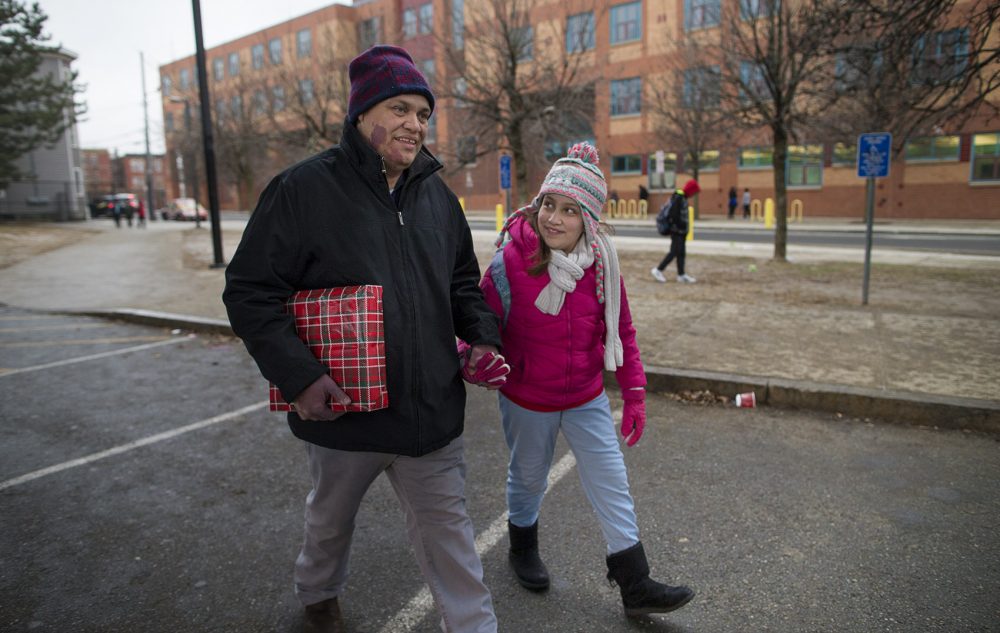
<point>19,241</point>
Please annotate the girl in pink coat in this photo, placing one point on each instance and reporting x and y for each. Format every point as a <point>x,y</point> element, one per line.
<point>565,319</point>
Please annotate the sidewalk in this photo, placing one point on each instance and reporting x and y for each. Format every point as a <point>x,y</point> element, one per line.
<point>932,370</point>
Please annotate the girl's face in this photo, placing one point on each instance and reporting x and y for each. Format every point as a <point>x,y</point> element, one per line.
<point>560,222</point>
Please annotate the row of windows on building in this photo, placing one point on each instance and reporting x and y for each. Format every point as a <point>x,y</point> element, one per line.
<point>369,33</point>
<point>804,164</point>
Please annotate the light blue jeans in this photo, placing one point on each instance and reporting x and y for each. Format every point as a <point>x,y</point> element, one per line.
<point>590,432</point>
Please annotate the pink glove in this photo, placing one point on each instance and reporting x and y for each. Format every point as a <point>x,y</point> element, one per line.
<point>633,415</point>
<point>490,367</point>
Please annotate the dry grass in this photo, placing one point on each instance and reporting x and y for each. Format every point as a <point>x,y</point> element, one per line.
<point>19,241</point>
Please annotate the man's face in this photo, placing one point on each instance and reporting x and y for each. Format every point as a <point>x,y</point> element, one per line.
<point>396,128</point>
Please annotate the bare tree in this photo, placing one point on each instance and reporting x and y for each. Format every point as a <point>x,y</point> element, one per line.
<point>685,103</point>
<point>901,69</point>
<point>775,54</point>
<point>315,89</point>
<point>515,86</point>
<point>242,137</point>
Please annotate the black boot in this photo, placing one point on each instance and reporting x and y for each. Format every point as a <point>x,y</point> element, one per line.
<point>642,595</point>
<point>524,558</point>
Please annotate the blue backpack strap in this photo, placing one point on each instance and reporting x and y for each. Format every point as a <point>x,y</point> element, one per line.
<point>498,272</point>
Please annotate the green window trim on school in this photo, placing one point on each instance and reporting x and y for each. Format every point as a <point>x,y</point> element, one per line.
<point>844,154</point>
<point>709,160</point>
<point>760,157</point>
<point>804,166</point>
<point>626,164</point>
<point>985,157</point>
<point>666,180</point>
<point>932,148</point>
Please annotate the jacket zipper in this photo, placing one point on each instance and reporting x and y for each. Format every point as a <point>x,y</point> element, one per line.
<point>415,375</point>
<point>385,175</point>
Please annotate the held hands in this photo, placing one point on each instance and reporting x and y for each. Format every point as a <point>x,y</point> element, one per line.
<point>633,414</point>
<point>484,366</point>
<point>311,403</point>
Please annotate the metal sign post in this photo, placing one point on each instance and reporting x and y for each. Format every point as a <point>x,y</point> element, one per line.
<point>874,152</point>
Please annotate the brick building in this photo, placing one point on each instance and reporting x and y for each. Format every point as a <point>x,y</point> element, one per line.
<point>131,170</point>
<point>279,94</point>
<point>98,174</point>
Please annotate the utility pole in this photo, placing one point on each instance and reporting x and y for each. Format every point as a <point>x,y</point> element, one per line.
<point>150,215</point>
<point>207,140</point>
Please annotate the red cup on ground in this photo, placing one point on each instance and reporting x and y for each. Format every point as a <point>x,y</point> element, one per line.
<point>748,400</point>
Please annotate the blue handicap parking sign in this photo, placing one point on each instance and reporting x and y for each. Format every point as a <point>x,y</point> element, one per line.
<point>874,150</point>
<point>505,171</point>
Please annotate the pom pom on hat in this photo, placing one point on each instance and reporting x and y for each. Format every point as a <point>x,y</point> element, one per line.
<point>578,176</point>
<point>382,72</point>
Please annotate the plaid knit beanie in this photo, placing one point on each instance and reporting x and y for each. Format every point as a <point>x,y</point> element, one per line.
<point>382,72</point>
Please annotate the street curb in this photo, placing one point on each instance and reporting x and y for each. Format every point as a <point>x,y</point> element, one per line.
<point>948,412</point>
<point>163,319</point>
<point>945,412</point>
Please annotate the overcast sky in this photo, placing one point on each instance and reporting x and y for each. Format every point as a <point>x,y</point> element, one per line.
<point>107,36</point>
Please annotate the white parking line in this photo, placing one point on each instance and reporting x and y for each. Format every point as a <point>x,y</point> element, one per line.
<point>80,359</point>
<point>152,439</point>
<point>423,603</point>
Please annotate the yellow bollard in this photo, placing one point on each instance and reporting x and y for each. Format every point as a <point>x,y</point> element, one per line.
<point>461,203</point>
<point>795,213</point>
<point>631,209</point>
<point>768,213</point>
<point>756,213</point>
<point>500,218</point>
<point>643,209</point>
<point>690,233</point>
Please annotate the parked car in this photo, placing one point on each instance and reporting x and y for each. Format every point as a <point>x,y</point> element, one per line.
<point>183,209</point>
<point>105,205</point>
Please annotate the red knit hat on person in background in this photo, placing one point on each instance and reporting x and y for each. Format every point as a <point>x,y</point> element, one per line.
<point>382,72</point>
<point>691,188</point>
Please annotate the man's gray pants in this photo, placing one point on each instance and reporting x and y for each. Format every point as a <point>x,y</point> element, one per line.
<point>431,490</point>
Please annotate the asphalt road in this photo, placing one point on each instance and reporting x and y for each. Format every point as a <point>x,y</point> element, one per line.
<point>967,244</point>
<point>144,487</point>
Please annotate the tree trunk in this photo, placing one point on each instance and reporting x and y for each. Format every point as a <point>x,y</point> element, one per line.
<point>520,184</point>
<point>780,193</point>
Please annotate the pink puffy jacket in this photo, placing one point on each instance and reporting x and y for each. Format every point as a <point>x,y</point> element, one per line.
<point>557,361</point>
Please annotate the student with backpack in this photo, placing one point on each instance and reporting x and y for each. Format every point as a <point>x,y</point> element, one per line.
<point>565,319</point>
<point>672,220</point>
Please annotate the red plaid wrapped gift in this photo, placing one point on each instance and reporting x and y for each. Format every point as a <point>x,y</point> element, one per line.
<point>343,327</point>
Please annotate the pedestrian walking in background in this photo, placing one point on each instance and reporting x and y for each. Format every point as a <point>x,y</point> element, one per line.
<point>732,202</point>
<point>746,203</point>
<point>116,212</point>
<point>558,289</point>
<point>141,215</point>
<point>677,222</point>
<point>373,210</point>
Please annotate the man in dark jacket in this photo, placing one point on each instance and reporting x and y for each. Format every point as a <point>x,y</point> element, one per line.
<point>372,210</point>
<point>677,220</point>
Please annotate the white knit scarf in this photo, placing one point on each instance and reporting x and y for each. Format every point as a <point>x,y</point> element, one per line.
<point>564,271</point>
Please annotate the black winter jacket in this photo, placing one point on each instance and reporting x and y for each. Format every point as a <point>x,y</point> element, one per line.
<point>677,215</point>
<point>331,221</point>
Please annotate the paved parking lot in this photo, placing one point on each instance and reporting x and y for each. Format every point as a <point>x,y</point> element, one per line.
<point>145,487</point>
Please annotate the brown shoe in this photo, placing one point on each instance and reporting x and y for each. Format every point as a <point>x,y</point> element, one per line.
<point>323,617</point>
